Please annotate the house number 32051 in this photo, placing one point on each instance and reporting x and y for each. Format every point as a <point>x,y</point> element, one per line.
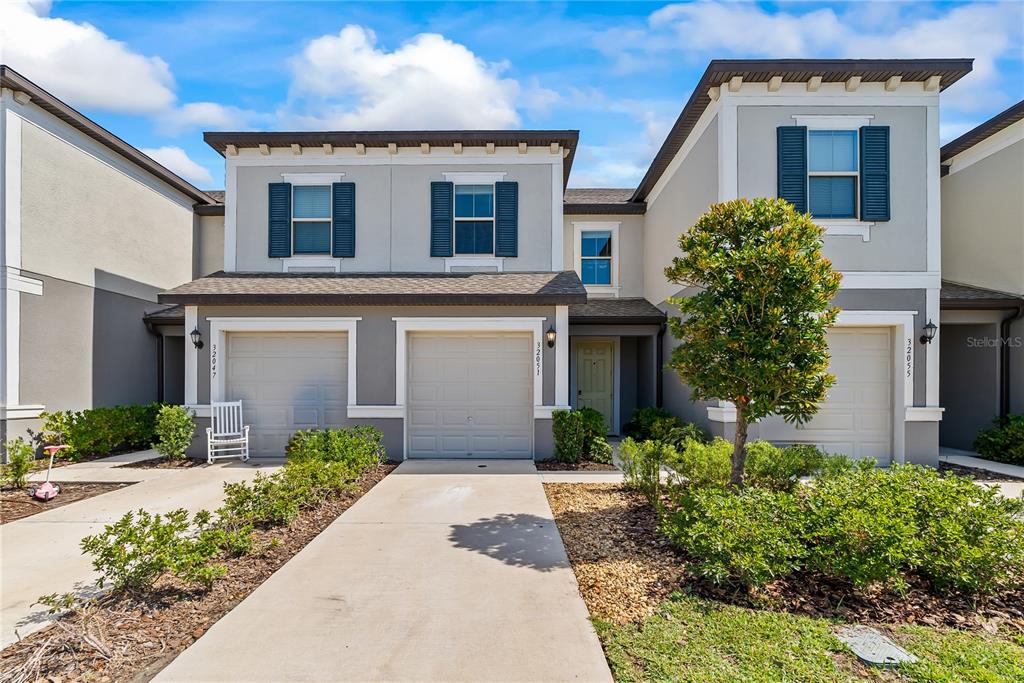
<point>537,358</point>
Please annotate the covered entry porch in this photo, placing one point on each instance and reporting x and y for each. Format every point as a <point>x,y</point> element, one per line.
<point>614,349</point>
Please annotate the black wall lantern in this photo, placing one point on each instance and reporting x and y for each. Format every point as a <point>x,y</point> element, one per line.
<point>551,334</point>
<point>929,332</point>
<point>197,338</point>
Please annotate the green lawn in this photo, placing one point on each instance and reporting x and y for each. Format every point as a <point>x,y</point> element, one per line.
<point>696,640</point>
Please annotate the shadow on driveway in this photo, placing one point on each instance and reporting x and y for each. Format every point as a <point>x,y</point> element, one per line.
<point>518,540</point>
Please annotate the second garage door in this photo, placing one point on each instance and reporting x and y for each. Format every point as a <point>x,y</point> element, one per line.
<point>856,418</point>
<point>286,382</point>
<point>470,396</point>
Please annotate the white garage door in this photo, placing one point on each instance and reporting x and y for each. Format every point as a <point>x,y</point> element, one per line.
<point>856,418</point>
<point>287,381</point>
<point>470,396</point>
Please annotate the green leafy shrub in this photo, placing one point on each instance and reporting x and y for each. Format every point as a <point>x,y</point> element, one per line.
<point>19,462</point>
<point>751,537</point>
<point>641,423</point>
<point>700,465</point>
<point>974,536</point>
<point>174,431</point>
<point>780,469</point>
<point>575,433</point>
<point>101,431</point>
<point>135,551</point>
<point>862,526</point>
<point>1004,442</point>
<point>601,451</point>
<point>641,466</point>
<point>266,501</point>
<point>361,447</point>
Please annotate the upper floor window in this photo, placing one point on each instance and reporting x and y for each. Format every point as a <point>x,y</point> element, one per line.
<point>311,219</point>
<point>832,170</point>
<point>474,219</point>
<point>596,257</point>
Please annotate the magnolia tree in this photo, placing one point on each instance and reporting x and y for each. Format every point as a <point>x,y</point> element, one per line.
<point>754,333</point>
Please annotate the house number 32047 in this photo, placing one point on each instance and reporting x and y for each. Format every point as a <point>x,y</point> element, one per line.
<point>213,360</point>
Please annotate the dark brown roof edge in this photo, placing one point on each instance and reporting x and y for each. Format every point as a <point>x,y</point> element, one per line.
<point>1002,120</point>
<point>9,78</point>
<point>612,320</point>
<point>617,208</point>
<point>791,70</point>
<point>257,299</point>
<point>209,209</point>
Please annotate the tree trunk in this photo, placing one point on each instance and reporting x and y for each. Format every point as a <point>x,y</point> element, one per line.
<point>739,450</point>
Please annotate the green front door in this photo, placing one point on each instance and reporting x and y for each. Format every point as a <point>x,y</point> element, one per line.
<point>595,379</point>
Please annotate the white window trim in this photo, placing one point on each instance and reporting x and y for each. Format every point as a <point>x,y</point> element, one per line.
<point>840,226</point>
<point>832,122</point>
<point>312,178</point>
<point>475,178</point>
<point>847,226</point>
<point>219,328</point>
<point>580,227</point>
<point>329,219</point>
<point>474,261</point>
<point>310,262</point>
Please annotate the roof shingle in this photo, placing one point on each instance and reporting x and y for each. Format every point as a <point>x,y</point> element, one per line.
<point>636,311</point>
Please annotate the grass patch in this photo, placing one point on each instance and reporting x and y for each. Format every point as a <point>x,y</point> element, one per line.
<point>697,640</point>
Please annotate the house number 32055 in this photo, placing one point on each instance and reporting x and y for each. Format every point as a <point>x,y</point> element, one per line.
<point>910,356</point>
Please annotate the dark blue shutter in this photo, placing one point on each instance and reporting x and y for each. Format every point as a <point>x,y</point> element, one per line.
<point>280,220</point>
<point>506,219</point>
<point>442,199</point>
<point>874,173</point>
<point>792,174</point>
<point>343,198</point>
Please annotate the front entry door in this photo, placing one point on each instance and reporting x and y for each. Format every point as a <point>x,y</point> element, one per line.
<point>595,383</point>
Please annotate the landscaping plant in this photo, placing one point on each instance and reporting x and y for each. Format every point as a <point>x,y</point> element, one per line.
<point>641,466</point>
<point>174,431</point>
<point>101,431</point>
<point>19,463</point>
<point>1004,442</point>
<point>641,423</point>
<point>576,432</point>
<point>755,332</point>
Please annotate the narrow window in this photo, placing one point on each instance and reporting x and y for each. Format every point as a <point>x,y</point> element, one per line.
<point>832,173</point>
<point>596,257</point>
<point>474,219</point>
<point>311,219</point>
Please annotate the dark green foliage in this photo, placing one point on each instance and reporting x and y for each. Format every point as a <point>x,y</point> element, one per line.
<point>19,463</point>
<point>780,469</point>
<point>601,451</point>
<point>361,447</point>
<point>133,552</point>
<point>640,424</point>
<point>101,431</point>
<point>753,537</point>
<point>1004,442</point>
<point>174,431</point>
<point>576,432</point>
<point>699,465</point>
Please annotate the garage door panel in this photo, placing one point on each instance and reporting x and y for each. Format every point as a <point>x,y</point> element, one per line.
<point>287,381</point>
<point>470,395</point>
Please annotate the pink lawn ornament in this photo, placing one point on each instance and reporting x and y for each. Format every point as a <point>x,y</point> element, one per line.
<point>47,490</point>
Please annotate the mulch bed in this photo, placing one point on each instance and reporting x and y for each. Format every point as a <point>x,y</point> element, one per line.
<point>17,504</point>
<point>625,569</point>
<point>582,466</point>
<point>131,638</point>
<point>976,473</point>
<point>162,463</point>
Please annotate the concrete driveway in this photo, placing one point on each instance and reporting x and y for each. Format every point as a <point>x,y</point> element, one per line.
<point>40,554</point>
<point>445,571</point>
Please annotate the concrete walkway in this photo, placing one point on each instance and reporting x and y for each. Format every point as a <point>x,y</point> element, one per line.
<point>40,554</point>
<point>445,571</point>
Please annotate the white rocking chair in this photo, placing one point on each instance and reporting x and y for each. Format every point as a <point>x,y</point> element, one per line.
<point>227,437</point>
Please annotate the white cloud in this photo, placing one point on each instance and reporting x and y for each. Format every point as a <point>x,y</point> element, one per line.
<point>178,161</point>
<point>80,63</point>
<point>427,82</point>
<point>206,115</point>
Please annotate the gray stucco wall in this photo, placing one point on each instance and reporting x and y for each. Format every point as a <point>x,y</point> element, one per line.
<point>686,195</point>
<point>375,361</point>
<point>630,249</point>
<point>896,245</point>
<point>1017,367</point>
<point>83,347</point>
<point>208,255</point>
<point>393,215</point>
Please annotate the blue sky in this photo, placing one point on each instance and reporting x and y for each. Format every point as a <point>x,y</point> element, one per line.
<point>159,73</point>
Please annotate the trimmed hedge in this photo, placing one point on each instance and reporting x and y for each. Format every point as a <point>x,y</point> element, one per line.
<point>101,431</point>
<point>1004,442</point>
<point>580,435</point>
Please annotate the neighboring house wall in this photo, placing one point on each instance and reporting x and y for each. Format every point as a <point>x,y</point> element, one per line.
<point>393,204</point>
<point>91,238</point>
<point>628,253</point>
<point>208,255</point>
<point>983,216</point>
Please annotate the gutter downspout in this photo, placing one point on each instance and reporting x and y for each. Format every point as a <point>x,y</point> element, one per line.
<point>660,361</point>
<point>1004,359</point>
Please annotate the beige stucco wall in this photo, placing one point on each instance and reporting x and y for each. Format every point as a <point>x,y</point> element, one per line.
<point>82,217</point>
<point>630,249</point>
<point>393,214</point>
<point>899,244</point>
<point>686,195</point>
<point>983,222</point>
<point>208,255</point>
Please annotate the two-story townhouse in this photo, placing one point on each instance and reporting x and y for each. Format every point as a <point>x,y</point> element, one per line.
<point>982,366</point>
<point>92,229</point>
<point>445,287</point>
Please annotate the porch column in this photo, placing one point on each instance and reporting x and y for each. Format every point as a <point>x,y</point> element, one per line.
<point>562,356</point>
